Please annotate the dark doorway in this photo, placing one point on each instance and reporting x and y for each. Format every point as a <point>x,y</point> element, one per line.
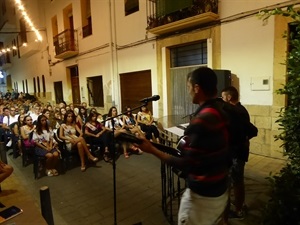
<point>58,90</point>
<point>95,91</point>
<point>134,87</point>
<point>75,84</point>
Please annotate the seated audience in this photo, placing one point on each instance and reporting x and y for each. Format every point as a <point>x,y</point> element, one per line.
<point>17,131</point>
<point>116,124</point>
<point>145,120</point>
<point>44,145</point>
<point>130,124</point>
<point>96,133</point>
<point>68,132</point>
<point>27,132</point>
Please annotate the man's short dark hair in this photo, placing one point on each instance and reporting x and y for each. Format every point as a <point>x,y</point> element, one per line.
<point>233,92</point>
<point>206,79</point>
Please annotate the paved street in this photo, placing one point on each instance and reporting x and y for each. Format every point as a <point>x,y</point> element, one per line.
<point>86,198</point>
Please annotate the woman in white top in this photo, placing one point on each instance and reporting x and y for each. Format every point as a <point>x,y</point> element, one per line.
<point>68,131</point>
<point>146,122</point>
<point>44,145</point>
<point>117,127</point>
<point>118,122</point>
<point>27,132</point>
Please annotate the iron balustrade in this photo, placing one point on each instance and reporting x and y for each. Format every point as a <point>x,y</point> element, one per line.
<point>161,12</point>
<point>65,41</point>
<point>172,183</point>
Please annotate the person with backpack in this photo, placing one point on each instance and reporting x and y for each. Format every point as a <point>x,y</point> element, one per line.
<point>241,152</point>
<point>205,157</point>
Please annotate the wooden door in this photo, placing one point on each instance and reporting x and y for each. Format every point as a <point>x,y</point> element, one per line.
<point>134,87</point>
<point>58,91</point>
<point>75,85</point>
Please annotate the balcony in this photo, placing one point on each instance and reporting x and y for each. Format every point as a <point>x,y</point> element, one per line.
<point>170,16</point>
<point>66,45</point>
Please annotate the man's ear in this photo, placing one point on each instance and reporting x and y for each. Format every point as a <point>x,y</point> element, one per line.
<point>229,97</point>
<point>196,88</point>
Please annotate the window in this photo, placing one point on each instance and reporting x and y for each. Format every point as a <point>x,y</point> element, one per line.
<point>131,6</point>
<point>54,26</point>
<point>38,84</point>
<point>26,86</point>
<point>184,59</point>
<point>3,6</point>
<point>194,54</point>
<point>14,44</point>
<point>23,35</point>
<point>86,18</point>
<point>23,84</point>
<point>43,82</point>
<point>95,91</point>
<point>34,85</point>
<point>44,86</point>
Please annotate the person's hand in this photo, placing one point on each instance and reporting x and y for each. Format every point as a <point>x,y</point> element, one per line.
<point>2,164</point>
<point>145,145</point>
<point>72,141</point>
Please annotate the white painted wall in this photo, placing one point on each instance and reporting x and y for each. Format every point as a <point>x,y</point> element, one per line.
<point>247,48</point>
<point>233,7</point>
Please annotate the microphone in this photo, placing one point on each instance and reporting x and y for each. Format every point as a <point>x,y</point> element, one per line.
<point>150,99</point>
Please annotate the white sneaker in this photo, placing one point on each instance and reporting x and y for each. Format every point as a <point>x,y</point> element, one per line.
<point>9,143</point>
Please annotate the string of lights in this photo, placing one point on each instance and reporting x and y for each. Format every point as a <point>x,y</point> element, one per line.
<point>24,14</point>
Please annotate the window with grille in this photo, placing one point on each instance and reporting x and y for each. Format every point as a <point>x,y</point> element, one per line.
<point>185,59</point>
<point>188,55</point>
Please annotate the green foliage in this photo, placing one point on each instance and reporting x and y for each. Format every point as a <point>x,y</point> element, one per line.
<point>284,205</point>
<point>283,208</point>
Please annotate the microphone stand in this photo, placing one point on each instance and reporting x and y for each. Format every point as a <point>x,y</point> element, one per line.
<point>145,103</point>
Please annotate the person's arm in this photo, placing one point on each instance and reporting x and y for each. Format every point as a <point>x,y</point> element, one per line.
<point>86,131</point>
<point>50,142</point>
<point>79,119</point>
<point>5,123</point>
<point>23,134</point>
<point>124,126</point>
<point>79,131</point>
<point>16,130</point>
<point>139,118</point>
<point>108,125</point>
<point>37,142</point>
<point>148,147</point>
<point>151,118</point>
<point>62,133</point>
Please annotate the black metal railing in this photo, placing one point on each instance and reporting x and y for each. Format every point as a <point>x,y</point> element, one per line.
<point>161,12</point>
<point>172,182</point>
<point>65,41</point>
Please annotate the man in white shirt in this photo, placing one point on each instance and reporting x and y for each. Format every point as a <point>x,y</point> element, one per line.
<point>7,121</point>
